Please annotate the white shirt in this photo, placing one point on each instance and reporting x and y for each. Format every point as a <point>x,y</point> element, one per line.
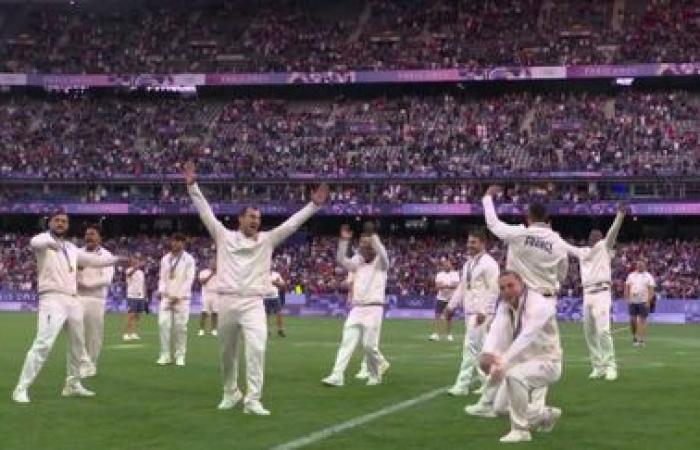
<point>275,277</point>
<point>94,282</point>
<point>536,252</point>
<point>57,269</point>
<point>478,289</point>
<point>369,283</point>
<point>244,263</point>
<point>446,278</point>
<point>209,287</point>
<point>135,284</point>
<point>639,283</point>
<point>349,280</point>
<point>526,333</point>
<point>176,276</point>
<point>595,261</point>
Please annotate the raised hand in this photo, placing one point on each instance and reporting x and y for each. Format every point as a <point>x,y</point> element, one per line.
<point>493,190</point>
<point>320,195</point>
<point>189,171</point>
<point>623,208</point>
<point>345,232</point>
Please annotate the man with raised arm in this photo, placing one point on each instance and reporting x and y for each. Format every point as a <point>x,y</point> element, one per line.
<point>243,263</point>
<point>57,265</point>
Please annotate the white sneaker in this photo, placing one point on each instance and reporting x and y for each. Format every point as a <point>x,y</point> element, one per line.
<point>135,337</point>
<point>374,381</point>
<point>481,389</point>
<point>363,374</point>
<point>450,338</point>
<point>611,375</point>
<point>230,400</point>
<point>383,367</point>
<point>516,436</point>
<point>456,391</point>
<point>20,396</point>
<point>434,337</point>
<point>595,374</point>
<point>164,360</point>
<point>480,410</point>
<point>201,333</point>
<point>127,337</point>
<point>255,408</point>
<point>88,371</point>
<point>551,416</point>
<point>76,390</point>
<point>333,381</point>
<point>180,361</point>
<point>214,332</point>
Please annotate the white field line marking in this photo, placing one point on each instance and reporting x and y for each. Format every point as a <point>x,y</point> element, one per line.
<point>358,421</point>
<point>125,346</point>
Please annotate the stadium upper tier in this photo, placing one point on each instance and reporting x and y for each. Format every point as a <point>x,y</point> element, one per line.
<point>246,36</point>
<point>312,263</point>
<point>439,136</point>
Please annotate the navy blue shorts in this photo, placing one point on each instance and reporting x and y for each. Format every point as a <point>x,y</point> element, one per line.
<point>639,309</point>
<point>440,306</point>
<point>136,305</point>
<point>272,306</point>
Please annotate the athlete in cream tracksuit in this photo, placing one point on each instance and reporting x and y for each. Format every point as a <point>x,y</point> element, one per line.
<point>596,277</point>
<point>57,263</point>
<point>243,262</point>
<point>93,287</point>
<point>477,294</point>
<point>364,321</point>
<point>527,323</point>
<point>540,257</point>
<point>177,271</point>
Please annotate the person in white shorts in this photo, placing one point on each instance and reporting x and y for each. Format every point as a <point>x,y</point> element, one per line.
<point>135,298</point>
<point>210,309</point>
<point>446,282</point>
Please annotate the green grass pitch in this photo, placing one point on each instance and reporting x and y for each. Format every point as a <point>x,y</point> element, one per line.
<point>655,404</point>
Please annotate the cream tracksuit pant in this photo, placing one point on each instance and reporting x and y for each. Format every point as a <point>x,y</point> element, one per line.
<point>362,322</point>
<point>474,336</point>
<point>596,329</point>
<point>55,310</point>
<point>172,324</point>
<point>242,321</point>
<point>94,325</point>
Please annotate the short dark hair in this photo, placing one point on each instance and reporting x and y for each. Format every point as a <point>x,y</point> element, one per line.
<point>479,233</point>
<point>245,209</point>
<point>511,273</point>
<point>93,226</point>
<point>537,212</point>
<point>57,212</point>
<point>179,237</point>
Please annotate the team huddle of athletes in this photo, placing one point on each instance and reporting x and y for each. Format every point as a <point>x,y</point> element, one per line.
<point>511,353</point>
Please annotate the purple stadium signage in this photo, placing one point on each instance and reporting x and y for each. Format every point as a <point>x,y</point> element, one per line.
<point>398,307</point>
<point>351,76</point>
<point>345,209</point>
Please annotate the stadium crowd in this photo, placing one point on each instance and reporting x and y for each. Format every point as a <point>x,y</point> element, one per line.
<point>310,262</point>
<point>371,35</point>
<point>632,133</point>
